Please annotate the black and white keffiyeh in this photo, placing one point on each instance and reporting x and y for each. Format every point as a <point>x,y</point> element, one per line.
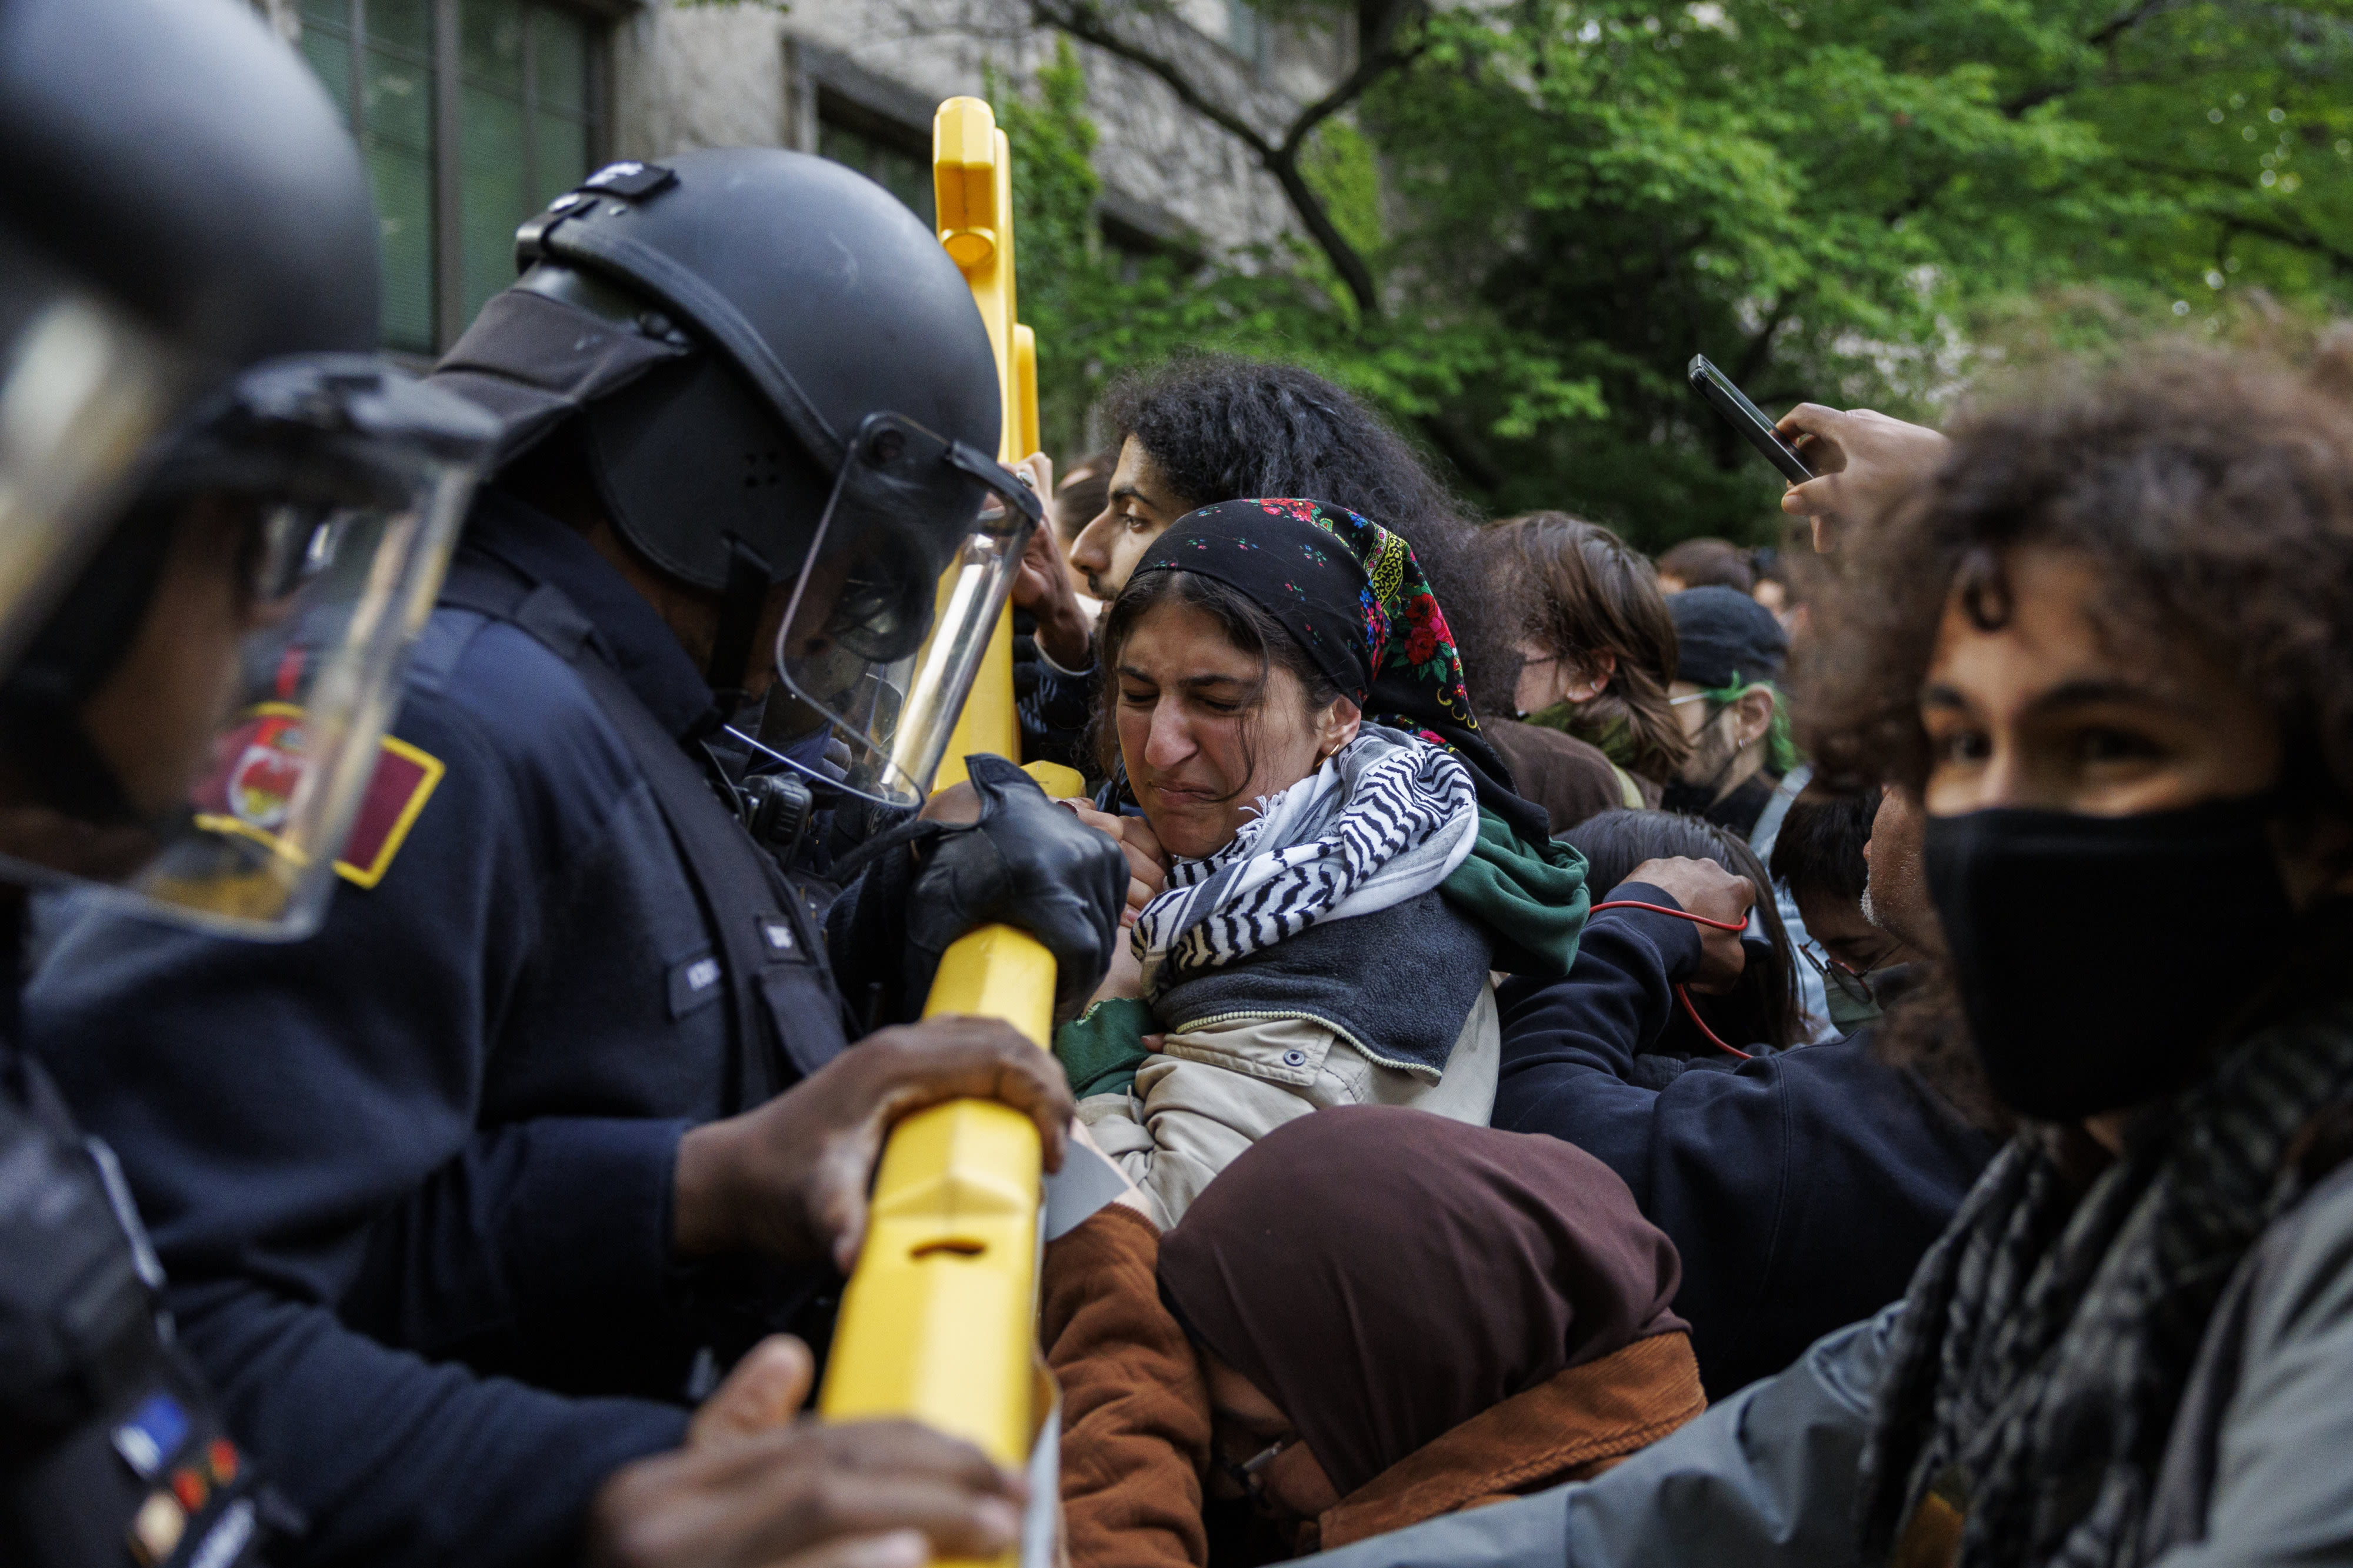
<point>1387,818</point>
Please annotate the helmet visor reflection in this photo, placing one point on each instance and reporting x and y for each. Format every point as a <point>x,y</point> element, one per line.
<point>890,618</point>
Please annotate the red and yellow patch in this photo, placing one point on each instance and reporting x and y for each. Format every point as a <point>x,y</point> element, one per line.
<point>262,763</point>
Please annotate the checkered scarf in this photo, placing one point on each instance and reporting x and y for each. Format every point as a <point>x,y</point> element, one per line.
<point>2048,1336</point>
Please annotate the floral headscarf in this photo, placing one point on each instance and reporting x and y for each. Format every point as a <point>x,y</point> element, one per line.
<point>1355,597</point>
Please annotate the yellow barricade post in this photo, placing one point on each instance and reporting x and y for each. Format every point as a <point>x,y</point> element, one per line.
<point>938,1321</point>
<point>972,179</point>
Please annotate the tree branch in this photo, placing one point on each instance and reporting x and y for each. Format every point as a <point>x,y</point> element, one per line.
<point>2337,257</point>
<point>1377,57</point>
<point>1085,22</point>
<point>2124,22</point>
<point>2105,38</point>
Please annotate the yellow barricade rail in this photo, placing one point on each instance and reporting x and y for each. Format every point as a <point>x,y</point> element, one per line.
<point>938,1321</point>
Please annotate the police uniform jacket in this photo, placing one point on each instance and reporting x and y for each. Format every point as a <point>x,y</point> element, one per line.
<point>411,1178</point>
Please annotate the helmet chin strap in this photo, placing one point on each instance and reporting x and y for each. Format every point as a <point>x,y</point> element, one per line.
<point>741,604</point>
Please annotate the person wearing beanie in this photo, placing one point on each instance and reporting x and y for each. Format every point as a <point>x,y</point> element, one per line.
<point>1730,654</point>
<point>1743,770</point>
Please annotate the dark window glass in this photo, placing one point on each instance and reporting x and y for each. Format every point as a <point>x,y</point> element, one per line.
<point>525,133</point>
<point>397,137</point>
<point>494,192</point>
<point>897,169</point>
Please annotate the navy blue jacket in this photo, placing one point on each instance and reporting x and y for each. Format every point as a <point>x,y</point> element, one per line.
<point>411,1178</point>
<point>1801,1188</point>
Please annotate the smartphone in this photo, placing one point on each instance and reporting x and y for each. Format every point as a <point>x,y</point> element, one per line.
<point>1747,418</point>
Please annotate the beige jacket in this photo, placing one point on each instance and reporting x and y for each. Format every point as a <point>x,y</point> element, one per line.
<point>1211,1093</point>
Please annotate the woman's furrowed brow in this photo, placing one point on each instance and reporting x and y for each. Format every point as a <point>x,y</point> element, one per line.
<point>1190,683</point>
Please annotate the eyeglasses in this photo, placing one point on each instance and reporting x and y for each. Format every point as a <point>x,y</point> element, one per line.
<point>1849,979</point>
<point>1246,1473</point>
<point>1689,697</point>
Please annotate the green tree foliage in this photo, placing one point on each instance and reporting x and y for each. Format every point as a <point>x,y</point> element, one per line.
<point>1063,279</point>
<point>1841,200</point>
<point>1097,311</point>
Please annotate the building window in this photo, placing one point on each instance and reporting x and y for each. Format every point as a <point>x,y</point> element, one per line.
<point>472,114</point>
<point>894,156</point>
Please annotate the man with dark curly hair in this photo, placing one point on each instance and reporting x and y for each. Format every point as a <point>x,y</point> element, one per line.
<point>2107,643</point>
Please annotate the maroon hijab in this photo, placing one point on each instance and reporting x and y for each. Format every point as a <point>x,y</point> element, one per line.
<point>1384,1275</point>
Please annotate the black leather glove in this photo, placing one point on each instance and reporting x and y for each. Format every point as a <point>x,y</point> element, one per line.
<point>1028,863</point>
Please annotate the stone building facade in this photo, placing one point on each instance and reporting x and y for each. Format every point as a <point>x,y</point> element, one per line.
<point>473,113</point>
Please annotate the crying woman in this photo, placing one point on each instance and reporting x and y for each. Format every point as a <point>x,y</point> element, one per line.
<point>1329,862</point>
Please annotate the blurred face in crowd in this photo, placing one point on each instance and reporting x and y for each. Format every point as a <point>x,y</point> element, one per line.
<point>1205,728</point>
<point>1849,939</point>
<point>1290,1486</point>
<point>1548,677</point>
<point>2044,711</point>
<point>1068,524</point>
<point>154,718</point>
<point>1727,740</point>
<point>1142,505</point>
<point>2052,712</point>
<point>1895,885</point>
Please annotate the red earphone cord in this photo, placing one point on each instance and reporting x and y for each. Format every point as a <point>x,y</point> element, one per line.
<point>1681,995</point>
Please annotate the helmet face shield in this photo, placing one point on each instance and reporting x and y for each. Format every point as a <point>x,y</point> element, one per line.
<point>295,535</point>
<point>885,627</point>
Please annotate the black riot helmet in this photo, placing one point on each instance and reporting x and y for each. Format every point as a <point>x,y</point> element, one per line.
<point>195,436</point>
<point>780,377</point>
<point>185,162</point>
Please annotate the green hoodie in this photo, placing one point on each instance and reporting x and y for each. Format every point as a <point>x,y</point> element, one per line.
<point>1531,897</point>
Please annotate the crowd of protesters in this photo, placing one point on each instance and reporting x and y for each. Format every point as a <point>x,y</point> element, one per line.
<point>1827,1052</point>
<point>1897,971</point>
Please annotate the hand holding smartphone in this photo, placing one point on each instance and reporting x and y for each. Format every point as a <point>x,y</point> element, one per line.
<point>1747,418</point>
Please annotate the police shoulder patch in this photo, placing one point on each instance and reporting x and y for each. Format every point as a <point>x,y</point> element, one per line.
<point>403,781</point>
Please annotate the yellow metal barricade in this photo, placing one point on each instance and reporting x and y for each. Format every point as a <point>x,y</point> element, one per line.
<point>939,1318</point>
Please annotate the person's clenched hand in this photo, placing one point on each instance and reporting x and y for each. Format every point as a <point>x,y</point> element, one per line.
<point>1864,460</point>
<point>789,1179</point>
<point>806,1494</point>
<point>1147,862</point>
<point>1705,888</point>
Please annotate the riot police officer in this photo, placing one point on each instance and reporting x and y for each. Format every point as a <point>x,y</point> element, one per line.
<point>463,1195</point>
<point>187,469</point>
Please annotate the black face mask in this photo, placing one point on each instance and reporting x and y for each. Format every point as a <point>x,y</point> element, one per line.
<point>2096,956</point>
